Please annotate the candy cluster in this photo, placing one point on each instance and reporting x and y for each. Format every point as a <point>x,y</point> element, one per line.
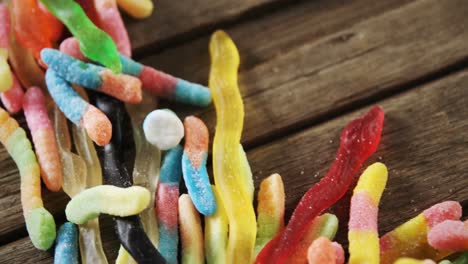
<point>115,167</point>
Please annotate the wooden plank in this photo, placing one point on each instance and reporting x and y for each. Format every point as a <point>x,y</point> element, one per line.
<point>310,14</point>
<point>424,145</point>
<point>174,19</point>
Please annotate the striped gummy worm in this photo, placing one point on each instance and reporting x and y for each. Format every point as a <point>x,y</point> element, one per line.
<point>80,112</point>
<point>66,247</point>
<point>13,98</point>
<point>43,135</point>
<point>5,72</point>
<point>137,8</point>
<point>191,234</point>
<point>123,87</point>
<point>167,196</point>
<point>153,81</point>
<point>449,235</point>
<point>216,232</point>
<point>322,251</point>
<point>39,222</point>
<point>410,238</point>
<point>270,210</point>
<point>363,233</point>
<point>194,165</point>
<point>107,199</point>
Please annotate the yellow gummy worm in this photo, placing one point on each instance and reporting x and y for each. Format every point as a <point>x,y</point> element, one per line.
<point>363,234</point>
<point>137,8</point>
<point>107,199</point>
<point>227,163</point>
<point>216,232</point>
<point>246,174</point>
<point>6,79</point>
<point>39,222</point>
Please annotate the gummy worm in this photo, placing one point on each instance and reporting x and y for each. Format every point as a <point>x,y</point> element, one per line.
<point>5,72</point>
<point>325,225</point>
<point>167,196</point>
<point>137,8</point>
<point>111,22</point>
<point>94,43</point>
<point>39,222</point>
<point>66,248</point>
<point>449,235</point>
<point>121,86</point>
<point>216,232</point>
<point>13,98</point>
<point>363,234</point>
<point>106,199</point>
<point>80,112</point>
<point>322,251</point>
<point>410,238</point>
<point>194,165</point>
<point>246,173</point>
<point>35,28</point>
<point>117,159</point>
<point>191,234</point>
<point>359,140</point>
<point>270,210</point>
<point>155,82</point>
<point>43,136</point>
<point>413,261</point>
<point>228,171</point>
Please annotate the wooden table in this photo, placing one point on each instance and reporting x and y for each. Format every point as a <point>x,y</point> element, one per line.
<point>308,68</point>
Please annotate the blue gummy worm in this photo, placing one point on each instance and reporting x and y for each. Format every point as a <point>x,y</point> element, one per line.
<point>67,99</point>
<point>130,66</point>
<point>171,168</point>
<point>66,247</point>
<point>168,243</point>
<point>73,70</point>
<point>198,185</point>
<point>192,93</point>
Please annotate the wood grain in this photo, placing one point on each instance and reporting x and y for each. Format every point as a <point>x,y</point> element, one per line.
<point>424,145</point>
<point>183,19</point>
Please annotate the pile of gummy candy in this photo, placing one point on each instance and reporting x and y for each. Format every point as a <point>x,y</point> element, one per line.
<point>117,137</point>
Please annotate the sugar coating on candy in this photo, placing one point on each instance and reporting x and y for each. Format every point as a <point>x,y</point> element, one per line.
<point>71,47</point>
<point>321,251</point>
<point>443,211</point>
<point>130,66</point>
<point>66,247</point>
<point>449,235</point>
<point>339,253</point>
<point>359,139</point>
<point>216,232</point>
<point>270,210</point>
<point>246,173</point>
<point>137,8</point>
<point>121,86</point>
<point>194,165</point>
<point>107,199</point>
<point>43,135</point>
<point>41,228</point>
<point>191,93</point>
<point>13,98</point>
<point>5,26</point>
<point>94,43</point>
<point>191,234</point>
<point>163,129</point>
<point>227,163</point>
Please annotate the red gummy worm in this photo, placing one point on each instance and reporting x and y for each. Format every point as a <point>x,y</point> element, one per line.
<point>359,140</point>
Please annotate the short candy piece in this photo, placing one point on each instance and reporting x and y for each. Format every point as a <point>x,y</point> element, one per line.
<point>449,235</point>
<point>80,112</point>
<point>163,129</point>
<point>123,87</point>
<point>321,251</point>
<point>107,199</point>
<point>216,232</point>
<point>137,8</point>
<point>13,98</point>
<point>410,238</point>
<point>43,134</point>
<point>191,234</point>
<point>363,234</point>
<point>413,261</point>
<point>167,196</point>
<point>39,222</point>
<point>270,210</point>
<point>194,165</point>
<point>94,43</point>
<point>359,139</point>
<point>6,79</point>
<point>66,247</point>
